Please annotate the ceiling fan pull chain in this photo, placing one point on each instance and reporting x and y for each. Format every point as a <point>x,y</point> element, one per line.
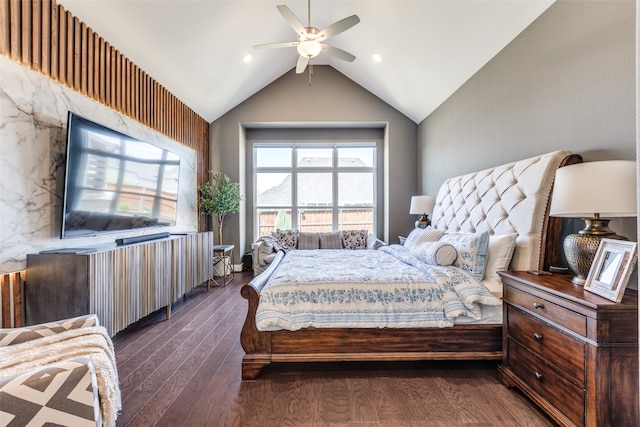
<point>310,72</point>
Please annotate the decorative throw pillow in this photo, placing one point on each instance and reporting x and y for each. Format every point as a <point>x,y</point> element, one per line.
<point>436,253</point>
<point>373,242</point>
<point>354,239</point>
<point>499,254</point>
<point>472,250</point>
<point>307,240</point>
<point>422,235</point>
<point>288,237</point>
<point>265,247</point>
<point>332,240</point>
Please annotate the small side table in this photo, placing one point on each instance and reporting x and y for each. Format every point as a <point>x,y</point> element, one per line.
<point>223,261</point>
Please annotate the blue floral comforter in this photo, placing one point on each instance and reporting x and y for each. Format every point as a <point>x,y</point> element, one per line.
<point>383,288</point>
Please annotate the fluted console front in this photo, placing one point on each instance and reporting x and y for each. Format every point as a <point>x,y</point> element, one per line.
<point>120,284</point>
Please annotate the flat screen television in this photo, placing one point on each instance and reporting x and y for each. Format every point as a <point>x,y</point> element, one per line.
<point>115,183</point>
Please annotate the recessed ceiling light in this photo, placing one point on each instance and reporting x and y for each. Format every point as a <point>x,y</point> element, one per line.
<point>247,58</point>
<point>377,58</point>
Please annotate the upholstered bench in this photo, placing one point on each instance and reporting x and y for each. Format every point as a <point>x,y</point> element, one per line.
<point>265,248</point>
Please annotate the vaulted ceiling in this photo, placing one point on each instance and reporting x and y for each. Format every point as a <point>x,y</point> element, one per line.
<point>196,48</point>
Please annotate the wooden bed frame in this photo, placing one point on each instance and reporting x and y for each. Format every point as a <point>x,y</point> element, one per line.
<point>460,342</point>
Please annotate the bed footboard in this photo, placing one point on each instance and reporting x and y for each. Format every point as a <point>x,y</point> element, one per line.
<point>256,344</point>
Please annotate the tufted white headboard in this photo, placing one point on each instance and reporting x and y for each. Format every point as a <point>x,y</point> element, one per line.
<point>511,198</point>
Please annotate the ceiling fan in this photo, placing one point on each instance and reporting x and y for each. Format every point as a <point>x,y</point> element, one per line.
<point>310,39</point>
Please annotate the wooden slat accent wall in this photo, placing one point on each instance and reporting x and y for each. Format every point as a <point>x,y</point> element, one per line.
<point>43,36</point>
<point>11,299</point>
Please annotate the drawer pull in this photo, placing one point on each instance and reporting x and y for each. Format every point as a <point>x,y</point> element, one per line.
<point>537,305</point>
<point>537,336</point>
<point>538,375</point>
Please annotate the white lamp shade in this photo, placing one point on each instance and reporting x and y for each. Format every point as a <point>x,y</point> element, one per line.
<point>422,205</point>
<point>607,188</point>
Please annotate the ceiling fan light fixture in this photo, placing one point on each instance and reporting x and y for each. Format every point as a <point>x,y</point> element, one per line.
<point>309,48</point>
<point>309,44</point>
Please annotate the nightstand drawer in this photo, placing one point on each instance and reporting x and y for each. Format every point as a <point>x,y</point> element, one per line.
<point>553,312</point>
<point>566,352</point>
<point>561,393</point>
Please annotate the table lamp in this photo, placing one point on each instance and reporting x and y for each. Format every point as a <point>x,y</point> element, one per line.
<point>595,192</point>
<point>422,205</point>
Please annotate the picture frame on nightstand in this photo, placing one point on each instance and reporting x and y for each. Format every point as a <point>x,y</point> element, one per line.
<point>611,268</point>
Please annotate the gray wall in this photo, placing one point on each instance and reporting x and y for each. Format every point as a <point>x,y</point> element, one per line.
<point>333,99</point>
<point>566,82</point>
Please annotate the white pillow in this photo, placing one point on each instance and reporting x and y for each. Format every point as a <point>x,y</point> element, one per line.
<point>472,250</point>
<point>435,253</point>
<point>422,235</point>
<point>499,254</point>
<point>373,242</point>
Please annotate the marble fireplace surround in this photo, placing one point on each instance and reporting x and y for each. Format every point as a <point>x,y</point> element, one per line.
<point>33,120</point>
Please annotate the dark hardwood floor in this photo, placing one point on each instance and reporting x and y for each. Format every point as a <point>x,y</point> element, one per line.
<point>185,371</point>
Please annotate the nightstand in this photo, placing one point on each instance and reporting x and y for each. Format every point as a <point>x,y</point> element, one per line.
<point>573,353</point>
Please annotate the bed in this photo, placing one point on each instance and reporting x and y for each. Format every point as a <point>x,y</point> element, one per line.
<point>510,200</point>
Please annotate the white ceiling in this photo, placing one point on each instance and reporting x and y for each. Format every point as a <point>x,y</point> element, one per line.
<point>195,48</point>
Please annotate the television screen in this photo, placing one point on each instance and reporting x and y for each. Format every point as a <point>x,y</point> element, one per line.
<point>115,183</point>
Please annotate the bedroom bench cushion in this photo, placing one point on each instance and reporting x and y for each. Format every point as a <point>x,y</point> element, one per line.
<point>264,252</point>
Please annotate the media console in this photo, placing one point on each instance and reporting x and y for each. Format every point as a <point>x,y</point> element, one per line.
<point>120,284</point>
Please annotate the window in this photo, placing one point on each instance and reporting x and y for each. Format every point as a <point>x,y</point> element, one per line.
<point>314,187</point>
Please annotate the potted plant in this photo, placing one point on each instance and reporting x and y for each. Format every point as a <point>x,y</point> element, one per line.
<point>221,197</point>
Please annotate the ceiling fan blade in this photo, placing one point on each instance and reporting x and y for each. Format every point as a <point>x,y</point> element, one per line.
<point>276,45</point>
<point>302,64</point>
<point>338,53</point>
<point>338,27</point>
<point>291,19</point>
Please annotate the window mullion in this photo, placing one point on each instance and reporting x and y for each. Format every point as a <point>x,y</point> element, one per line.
<point>334,190</point>
<point>294,188</point>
